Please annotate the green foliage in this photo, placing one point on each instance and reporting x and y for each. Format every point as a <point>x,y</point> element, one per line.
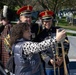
<point>54,5</point>
<point>62,23</point>
<point>71,34</point>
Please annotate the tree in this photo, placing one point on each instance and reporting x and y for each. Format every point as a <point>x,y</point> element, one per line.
<point>56,5</point>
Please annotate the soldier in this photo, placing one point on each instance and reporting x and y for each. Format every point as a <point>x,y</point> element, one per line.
<point>2,72</point>
<point>5,26</point>
<point>25,13</point>
<point>52,60</point>
<point>1,29</point>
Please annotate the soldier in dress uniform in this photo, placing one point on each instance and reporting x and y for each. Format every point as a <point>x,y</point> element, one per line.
<point>1,29</point>
<point>52,60</point>
<point>2,72</point>
<point>25,14</point>
<point>5,30</point>
<point>26,17</point>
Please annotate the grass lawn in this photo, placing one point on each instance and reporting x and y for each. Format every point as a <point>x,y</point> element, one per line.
<point>64,24</point>
<point>71,34</point>
<point>69,27</point>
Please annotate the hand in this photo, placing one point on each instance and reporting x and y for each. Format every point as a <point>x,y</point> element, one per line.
<point>59,61</point>
<point>60,35</point>
<point>52,61</point>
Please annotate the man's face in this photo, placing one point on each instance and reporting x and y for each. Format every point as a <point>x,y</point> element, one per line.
<point>47,24</point>
<point>26,19</point>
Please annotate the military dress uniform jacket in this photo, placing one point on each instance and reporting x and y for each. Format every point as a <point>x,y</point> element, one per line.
<point>4,52</point>
<point>48,54</point>
<point>26,57</point>
<point>1,28</point>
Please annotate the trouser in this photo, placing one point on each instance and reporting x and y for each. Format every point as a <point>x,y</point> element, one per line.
<point>50,71</point>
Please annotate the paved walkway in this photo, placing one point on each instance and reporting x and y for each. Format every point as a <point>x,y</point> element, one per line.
<point>70,31</point>
<point>72,50</point>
